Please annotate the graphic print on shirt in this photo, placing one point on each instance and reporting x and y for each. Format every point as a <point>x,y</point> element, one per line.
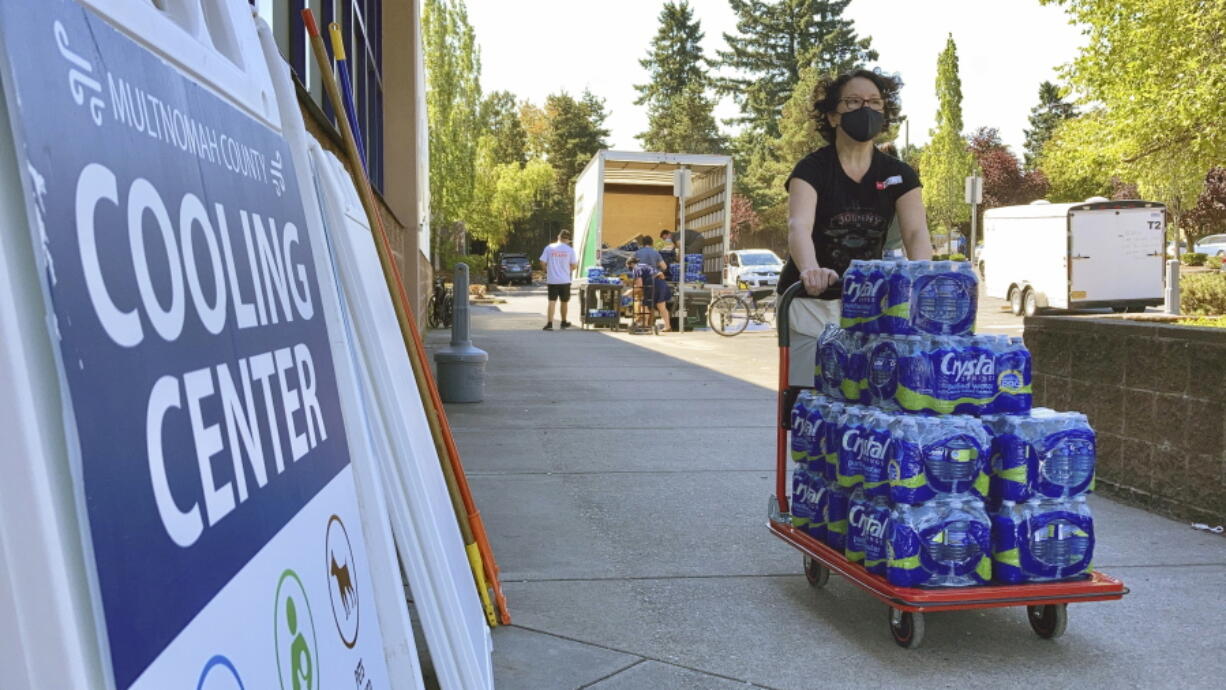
<point>854,234</point>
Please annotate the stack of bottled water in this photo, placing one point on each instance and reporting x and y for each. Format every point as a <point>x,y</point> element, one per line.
<point>693,269</point>
<point>1043,467</point>
<point>893,464</point>
<point>596,276</point>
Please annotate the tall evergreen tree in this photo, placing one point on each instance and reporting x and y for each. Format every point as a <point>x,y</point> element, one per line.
<point>776,40</point>
<point>1051,111</point>
<point>500,120</point>
<point>683,124</point>
<point>681,117</point>
<point>675,59</point>
<point>453,100</point>
<point>946,161</point>
<point>576,133</point>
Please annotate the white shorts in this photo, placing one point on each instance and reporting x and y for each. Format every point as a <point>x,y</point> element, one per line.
<point>807,318</point>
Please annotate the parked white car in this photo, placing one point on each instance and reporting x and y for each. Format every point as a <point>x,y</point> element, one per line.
<point>1213,245</point>
<point>754,267</point>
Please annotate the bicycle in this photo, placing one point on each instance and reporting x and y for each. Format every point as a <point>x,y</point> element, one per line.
<point>730,315</point>
<point>441,307</point>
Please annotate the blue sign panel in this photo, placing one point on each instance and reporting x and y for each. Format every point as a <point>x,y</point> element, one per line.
<point>185,310</point>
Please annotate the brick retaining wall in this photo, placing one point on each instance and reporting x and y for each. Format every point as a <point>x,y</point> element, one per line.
<point>1156,395</point>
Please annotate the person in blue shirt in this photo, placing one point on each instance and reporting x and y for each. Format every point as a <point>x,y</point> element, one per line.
<point>651,287</point>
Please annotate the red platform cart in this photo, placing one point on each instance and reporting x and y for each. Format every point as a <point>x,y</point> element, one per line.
<point>1046,603</point>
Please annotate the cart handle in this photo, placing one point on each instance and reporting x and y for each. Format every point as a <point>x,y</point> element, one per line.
<point>782,320</point>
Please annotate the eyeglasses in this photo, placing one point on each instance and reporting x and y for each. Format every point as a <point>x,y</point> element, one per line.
<point>855,103</point>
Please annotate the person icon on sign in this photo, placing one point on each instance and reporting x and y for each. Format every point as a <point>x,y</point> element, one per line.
<point>301,667</point>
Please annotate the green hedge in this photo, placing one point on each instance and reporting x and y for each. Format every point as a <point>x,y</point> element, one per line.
<point>1195,259</point>
<point>1203,294</point>
<point>476,268</point>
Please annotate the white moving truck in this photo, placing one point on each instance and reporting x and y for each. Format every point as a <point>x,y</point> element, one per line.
<point>1091,254</point>
<point>623,194</point>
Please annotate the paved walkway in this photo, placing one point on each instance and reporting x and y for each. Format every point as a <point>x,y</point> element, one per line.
<point>624,484</point>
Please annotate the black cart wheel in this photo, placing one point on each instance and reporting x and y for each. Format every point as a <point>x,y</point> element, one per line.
<point>816,573</point>
<point>1048,621</point>
<point>907,628</point>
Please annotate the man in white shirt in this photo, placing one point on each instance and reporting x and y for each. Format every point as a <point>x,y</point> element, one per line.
<point>559,262</point>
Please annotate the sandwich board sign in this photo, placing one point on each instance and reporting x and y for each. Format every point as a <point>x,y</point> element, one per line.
<point>203,418</point>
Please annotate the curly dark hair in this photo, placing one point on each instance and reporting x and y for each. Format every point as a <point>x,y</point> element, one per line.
<point>828,90</point>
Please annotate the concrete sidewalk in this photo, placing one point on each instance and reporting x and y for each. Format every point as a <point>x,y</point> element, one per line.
<point>624,481</point>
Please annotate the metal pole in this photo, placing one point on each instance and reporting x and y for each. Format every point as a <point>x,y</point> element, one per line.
<point>970,249</point>
<point>681,264</point>
<point>1172,287</point>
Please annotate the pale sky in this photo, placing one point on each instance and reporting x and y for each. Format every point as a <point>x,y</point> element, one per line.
<point>537,47</point>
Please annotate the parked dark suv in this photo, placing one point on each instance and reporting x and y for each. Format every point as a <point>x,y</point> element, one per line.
<point>510,268</point>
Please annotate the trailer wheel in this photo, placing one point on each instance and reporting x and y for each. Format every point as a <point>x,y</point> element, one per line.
<point>1015,300</point>
<point>907,628</point>
<point>1048,621</point>
<point>816,573</point>
<point>1030,303</point>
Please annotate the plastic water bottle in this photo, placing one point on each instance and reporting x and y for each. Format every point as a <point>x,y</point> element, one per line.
<point>1042,540</point>
<point>857,513</point>
<point>916,390</point>
<point>1065,452</point>
<point>850,471</point>
<point>964,375</point>
<point>944,298</point>
<point>1013,377</point>
<point>840,364</point>
<point>1011,465</point>
<point>955,454</point>
<point>857,313</point>
<point>804,425</point>
<point>905,463</point>
<point>874,528</point>
<point>941,543</point>
<point>896,317</point>
<point>874,443</point>
<point>837,503</point>
<point>801,509</point>
<point>830,438</point>
<point>809,493</point>
<point>881,370</point>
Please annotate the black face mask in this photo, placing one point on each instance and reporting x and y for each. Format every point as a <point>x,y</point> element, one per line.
<point>862,124</point>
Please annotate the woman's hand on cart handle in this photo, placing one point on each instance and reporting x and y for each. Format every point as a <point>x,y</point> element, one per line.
<point>817,279</point>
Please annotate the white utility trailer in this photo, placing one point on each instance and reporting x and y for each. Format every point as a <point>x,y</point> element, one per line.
<point>1091,254</point>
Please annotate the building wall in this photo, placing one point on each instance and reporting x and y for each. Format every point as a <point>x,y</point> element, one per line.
<point>401,201</point>
<point>1155,394</point>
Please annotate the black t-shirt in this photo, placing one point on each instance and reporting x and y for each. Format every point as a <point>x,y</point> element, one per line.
<point>852,217</point>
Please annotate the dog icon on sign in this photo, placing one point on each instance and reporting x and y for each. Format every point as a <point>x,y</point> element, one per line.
<point>342,581</point>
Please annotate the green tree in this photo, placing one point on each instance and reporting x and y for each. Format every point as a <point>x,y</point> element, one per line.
<point>536,130</point>
<point>680,115</point>
<point>500,119</point>
<point>675,59</point>
<point>775,41</point>
<point>946,161</point>
<point>1154,67</point>
<point>1075,159</point>
<point>453,101</point>
<point>576,133</point>
<point>1044,117</point>
<point>683,124</point>
<point>506,193</point>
